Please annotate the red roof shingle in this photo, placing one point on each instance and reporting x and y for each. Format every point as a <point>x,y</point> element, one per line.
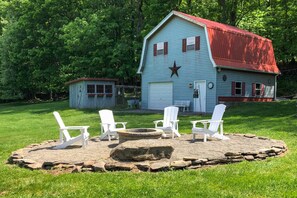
<point>235,48</point>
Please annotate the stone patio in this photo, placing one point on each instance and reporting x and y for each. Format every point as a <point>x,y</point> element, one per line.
<point>185,154</point>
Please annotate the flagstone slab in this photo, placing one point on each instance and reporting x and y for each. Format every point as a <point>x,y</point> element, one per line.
<point>99,156</point>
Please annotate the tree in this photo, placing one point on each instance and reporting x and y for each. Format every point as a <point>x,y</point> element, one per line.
<point>31,47</point>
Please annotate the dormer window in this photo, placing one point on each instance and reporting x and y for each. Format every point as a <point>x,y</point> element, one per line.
<point>191,43</point>
<point>161,48</point>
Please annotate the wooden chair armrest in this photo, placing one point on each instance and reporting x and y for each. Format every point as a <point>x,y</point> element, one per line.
<point>102,126</point>
<point>122,123</point>
<point>214,121</point>
<point>75,128</point>
<point>156,122</point>
<point>199,121</point>
<point>174,124</point>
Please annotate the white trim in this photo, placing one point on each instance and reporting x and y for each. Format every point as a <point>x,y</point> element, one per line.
<point>208,48</point>
<point>144,47</point>
<point>189,19</point>
<point>157,27</point>
<point>275,86</point>
<point>148,36</point>
<point>244,69</point>
<point>142,57</point>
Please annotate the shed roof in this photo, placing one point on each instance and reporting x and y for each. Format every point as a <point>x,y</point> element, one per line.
<point>90,79</point>
<point>230,47</point>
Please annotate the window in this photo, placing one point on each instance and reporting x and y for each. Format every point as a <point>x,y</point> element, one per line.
<point>191,43</point>
<point>90,89</point>
<point>100,88</point>
<point>161,48</point>
<point>108,90</point>
<point>238,88</point>
<point>258,89</point>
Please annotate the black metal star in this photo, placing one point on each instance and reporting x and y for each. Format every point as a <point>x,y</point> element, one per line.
<point>174,69</point>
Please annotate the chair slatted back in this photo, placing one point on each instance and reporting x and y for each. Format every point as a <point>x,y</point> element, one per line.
<point>106,116</point>
<point>170,113</point>
<point>61,125</point>
<point>217,115</point>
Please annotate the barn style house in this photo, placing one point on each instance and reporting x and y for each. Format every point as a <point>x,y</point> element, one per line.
<point>187,58</point>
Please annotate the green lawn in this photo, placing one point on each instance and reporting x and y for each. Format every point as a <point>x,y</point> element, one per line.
<point>24,124</point>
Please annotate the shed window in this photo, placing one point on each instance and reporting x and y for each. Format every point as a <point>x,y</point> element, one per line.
<point>100,88</point>
<point>191,43</point>
<point>108,89</point>
<point>161,48</point>
<point>258,89</point>
<point>238,88</point>
<point>90,88</point>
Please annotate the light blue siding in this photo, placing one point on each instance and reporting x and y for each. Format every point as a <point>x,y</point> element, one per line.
<point>195,65</point>
<point>224,87</point>
<point>78,96</point>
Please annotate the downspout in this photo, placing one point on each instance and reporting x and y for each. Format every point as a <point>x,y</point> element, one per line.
<point>275,86</point>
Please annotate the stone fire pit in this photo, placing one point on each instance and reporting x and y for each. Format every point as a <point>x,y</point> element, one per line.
<point>139,133</point>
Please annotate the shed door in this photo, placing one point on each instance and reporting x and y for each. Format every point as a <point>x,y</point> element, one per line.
<point>160,95</point>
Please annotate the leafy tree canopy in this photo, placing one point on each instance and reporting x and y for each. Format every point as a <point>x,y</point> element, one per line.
<point>43,44</point>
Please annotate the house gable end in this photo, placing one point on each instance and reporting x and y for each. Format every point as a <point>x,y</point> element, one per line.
<point>229,47</point>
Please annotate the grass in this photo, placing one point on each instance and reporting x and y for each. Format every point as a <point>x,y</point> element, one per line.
<point>24,124</point>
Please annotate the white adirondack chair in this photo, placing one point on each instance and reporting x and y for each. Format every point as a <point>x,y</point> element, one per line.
<point>65,138</point>
<point>214,123</point>
<point>170,121</point>
<point>108,125</point>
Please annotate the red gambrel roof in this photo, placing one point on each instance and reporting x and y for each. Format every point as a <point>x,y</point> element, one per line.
<point>235,48</point>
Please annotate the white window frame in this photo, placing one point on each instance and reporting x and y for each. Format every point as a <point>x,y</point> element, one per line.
<point>191,42</point>
<point>258,89</point>
<point>160,48</point>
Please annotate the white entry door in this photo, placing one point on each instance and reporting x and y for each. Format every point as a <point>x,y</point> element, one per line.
<point>200,98</point>
<point>160,95</point>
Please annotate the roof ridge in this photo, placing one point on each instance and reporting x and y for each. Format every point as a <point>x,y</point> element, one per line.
<point>228,28</point>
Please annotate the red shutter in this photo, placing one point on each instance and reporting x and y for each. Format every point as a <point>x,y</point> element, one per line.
<point>197,43</point>
<point>165,48</point>
<point>184,46</point>
<point>243,88</point>
<point>233,88</point>
<point>262,89</point>
<point>253,89</point>
<point>155,49</point>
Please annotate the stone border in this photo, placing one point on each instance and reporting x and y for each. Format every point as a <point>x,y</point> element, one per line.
<point>188,162</point>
